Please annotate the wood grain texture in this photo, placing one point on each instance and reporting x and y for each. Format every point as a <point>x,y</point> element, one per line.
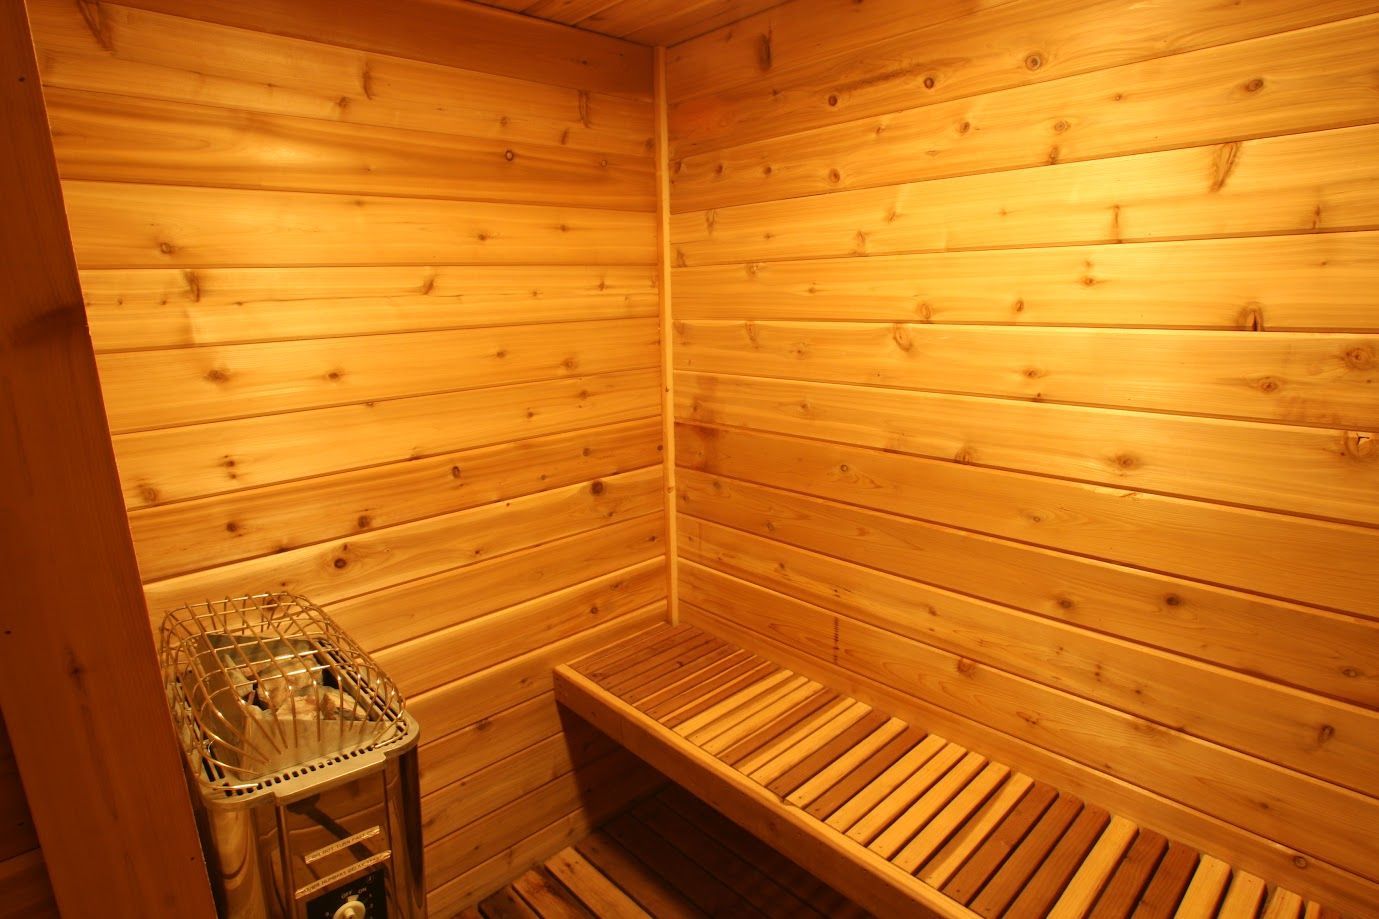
<point>1001,46</point>
<point>1061,722</point>
<point>875,209</point>
<point>1295,183</point>
<point>113,138</point>
<point>1298,378</point>
<point>148,308</point>
<point>1316,79</point>
<point>191,535</point>
<point>1254,716</point>
<point>1319,282</point>
<point>171,387</point>
<point>483,492</point>
<point>1273,554</point>
<point>1169,454</point>
<point>117,225</point>
<point>454,34</point>
<point>1319,879</point>
<point>145,55</point>
<point>172,464</point>
<point>754,527</point>
<point>75,669</point>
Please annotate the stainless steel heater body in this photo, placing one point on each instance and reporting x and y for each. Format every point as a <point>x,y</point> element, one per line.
<point>303,762</point>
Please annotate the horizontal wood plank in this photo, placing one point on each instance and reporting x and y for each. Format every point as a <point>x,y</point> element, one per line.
<point>1319,282</point>
<point>1316,79</point>
<point>145,54</point>
<point>434,659</point>
<point>449,33</point>
<point>132,309</point>
<point>1274,723</point>
<point>1317,471</point>
<point>995,48</point>
<point>188,462</point>
<point>369,561</point>
<point>190,535</point>
<point>1305,182</point>
<point>1312,561</point>
<point>1299,378</point>
<point>118,225</point>
<point>168,387</point>
<point>102,137</point>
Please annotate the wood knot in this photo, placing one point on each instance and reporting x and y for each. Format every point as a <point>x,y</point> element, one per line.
<point>966,665</point>
<point>718,169</point>
<point>1033,373</point>
<point>455,472</point>
<point>364,521</point>
<point>901,336</point>
<point>766,170</point>
<point>964,127</point>
<point>1360,444</point>
<point>167,248</point>
<point>232,527</point>
<point>834,176</point>
<point>764,52</point>
<point>1034,61</point>
<point>1251,318</point>
<point>1126,461</point>
<point>597,488</point>
<point>1254,85</point>
<point>1060,126</point>
<point>1299,861</point>
<point>335,375</point>
<point>1360,357</point>
<point>929,82</point>
<point>1066,603</point>
<point>1350,672</point>
<point>1325,733</point>
<point>832,99</point>
<point>509,155</point>
<point>149,494</point>
<point>340,563</point>
<point>217,375</point>
<point>1173,600</point>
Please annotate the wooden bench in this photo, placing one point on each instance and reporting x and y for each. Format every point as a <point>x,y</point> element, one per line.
<point>902,821</point>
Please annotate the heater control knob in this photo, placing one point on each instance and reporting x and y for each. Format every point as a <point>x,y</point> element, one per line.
<point>351,910</point>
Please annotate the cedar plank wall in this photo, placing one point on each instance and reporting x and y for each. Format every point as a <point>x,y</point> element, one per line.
<point>383,331</point>
<point>1027,384</point>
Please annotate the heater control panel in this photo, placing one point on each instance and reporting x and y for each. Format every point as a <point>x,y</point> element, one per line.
<point>363,898</point>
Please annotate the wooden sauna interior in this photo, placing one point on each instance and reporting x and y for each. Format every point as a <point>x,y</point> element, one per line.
<point>1009,366</point>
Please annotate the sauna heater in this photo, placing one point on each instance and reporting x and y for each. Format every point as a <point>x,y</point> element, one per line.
<point>302,760</point>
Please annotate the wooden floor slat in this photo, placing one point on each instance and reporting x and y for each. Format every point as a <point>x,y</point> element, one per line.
<point>903,821</point>
<point>669,857</point>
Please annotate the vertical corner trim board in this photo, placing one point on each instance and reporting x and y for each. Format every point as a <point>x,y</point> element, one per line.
<point>84,713</point>
<point>1153,237</point>
<point>375,296</point>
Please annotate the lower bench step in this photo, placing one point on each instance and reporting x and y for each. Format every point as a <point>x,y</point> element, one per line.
<point>902,821</point>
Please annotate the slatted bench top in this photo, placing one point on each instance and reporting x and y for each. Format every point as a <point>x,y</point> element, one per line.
<point>903,821</point>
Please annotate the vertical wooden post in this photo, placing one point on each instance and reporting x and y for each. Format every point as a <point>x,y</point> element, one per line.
<point>79,683</point>
<point>663,266</point>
